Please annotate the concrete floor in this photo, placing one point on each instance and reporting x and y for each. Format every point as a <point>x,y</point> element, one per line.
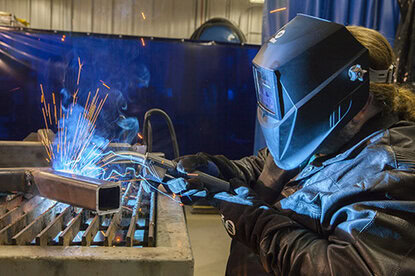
<point>210,243</point>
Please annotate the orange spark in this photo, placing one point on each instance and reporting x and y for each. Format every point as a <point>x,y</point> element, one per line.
<point>43,97</point>
<point>56,115</point>
<point>104,84</point>
<point>278,10</point>
<point>63,38</point>
<point>74,96</point>
<point>142,14</point>
<point>79,70</point>
<point>192,174</point>
<point>41,89</point>
<point>142,42</point>
<point>44,117</point>
<point>50,117</point>
<point>86,104</point>
<point>139,135</point>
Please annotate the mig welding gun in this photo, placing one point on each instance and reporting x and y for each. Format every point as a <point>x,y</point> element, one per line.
<point>160,170</point>
<point>96,194</point>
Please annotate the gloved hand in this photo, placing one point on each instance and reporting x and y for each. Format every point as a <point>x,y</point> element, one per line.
<point>197,162</point>
<point>234,208</point>
<point>242,196</point>
<point>192,190</point>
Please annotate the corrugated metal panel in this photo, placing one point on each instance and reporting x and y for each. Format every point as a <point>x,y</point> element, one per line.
<point>162,18</point>
<point>102,21</point>
<point>217,8</point>
<point>249,19</point>
<point>255,31</point>
<point>82,15</point>
<point>40,14</point>
<point>3,5</point>
<point>238,8</point>
<point>250,22</point>
<point>61,14</point>
<point>142,21</point>
<point>247,16</point>
<point>123,13</point>
<point>183,16</point>
<point>21,8</point>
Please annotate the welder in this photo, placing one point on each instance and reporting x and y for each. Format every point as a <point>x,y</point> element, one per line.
<point>333,191</point>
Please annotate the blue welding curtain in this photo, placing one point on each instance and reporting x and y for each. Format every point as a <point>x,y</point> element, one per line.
<point>207,89</point>
<point>381,15</point>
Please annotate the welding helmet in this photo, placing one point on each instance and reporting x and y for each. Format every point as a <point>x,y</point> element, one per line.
<point>311,78</point>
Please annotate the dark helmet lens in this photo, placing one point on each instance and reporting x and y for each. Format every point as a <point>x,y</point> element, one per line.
<point>265,83</point>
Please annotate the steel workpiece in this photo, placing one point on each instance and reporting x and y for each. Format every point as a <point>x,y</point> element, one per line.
<point>90,193</point>
<point>94,194</point>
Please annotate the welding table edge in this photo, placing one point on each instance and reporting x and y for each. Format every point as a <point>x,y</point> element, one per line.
<point>172,246</point>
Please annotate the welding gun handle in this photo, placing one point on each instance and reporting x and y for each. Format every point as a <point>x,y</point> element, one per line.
<point>212,184</point>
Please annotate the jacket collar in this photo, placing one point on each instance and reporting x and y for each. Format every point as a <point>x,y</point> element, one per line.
<point>380,121</point>
<point>372,127</point>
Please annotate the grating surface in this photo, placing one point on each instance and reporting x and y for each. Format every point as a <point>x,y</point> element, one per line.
<point>34,220</point>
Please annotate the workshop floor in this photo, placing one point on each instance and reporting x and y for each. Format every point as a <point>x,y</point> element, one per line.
<point>210,243</point>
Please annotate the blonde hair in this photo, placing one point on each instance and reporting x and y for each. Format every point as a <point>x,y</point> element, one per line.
<point>390,97</point>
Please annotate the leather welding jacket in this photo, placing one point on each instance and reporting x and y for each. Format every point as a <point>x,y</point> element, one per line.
<point>351,214</point>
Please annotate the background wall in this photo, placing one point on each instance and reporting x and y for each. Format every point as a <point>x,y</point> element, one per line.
<point>159,18</point>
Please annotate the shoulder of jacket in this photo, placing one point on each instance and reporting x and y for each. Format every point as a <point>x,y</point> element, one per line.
<point>401,140</point>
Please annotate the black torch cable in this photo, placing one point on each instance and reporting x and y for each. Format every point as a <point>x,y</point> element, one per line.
<point>147,131</point>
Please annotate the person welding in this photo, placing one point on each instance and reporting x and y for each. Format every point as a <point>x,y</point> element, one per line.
<point>333,191</point>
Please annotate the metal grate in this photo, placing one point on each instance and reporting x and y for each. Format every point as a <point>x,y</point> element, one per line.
<point>34,220</point>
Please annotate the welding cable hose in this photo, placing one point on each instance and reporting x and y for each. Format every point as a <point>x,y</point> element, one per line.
<point>148,134</point>
<point>124,157</point>
<point>211,183</point>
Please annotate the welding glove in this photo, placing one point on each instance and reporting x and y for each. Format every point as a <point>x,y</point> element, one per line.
<point>197,162</point>
<point>189,190</point>
<point>192,190</point>
<point>214,165</point>
<point>234,206</point>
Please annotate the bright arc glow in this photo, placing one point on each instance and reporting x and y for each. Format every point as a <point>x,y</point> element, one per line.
<point>77,147</point>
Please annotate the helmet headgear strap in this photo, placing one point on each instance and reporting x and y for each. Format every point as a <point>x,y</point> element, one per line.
<point>382,76</point>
